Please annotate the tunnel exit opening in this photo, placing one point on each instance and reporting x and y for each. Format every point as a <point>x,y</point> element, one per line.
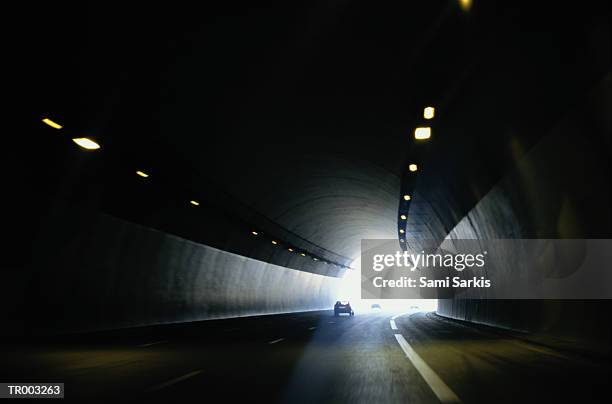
<point>350,289</point>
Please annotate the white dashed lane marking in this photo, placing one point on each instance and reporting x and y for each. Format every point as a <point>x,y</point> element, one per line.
<point>174,381</point>
<point>152,343</point>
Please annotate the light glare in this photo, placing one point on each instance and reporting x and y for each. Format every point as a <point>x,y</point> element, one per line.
<point>86,143</point>
<point>194,203</point>
<point>142,174</point>
<point>406,197</point>
<point>465,4</point>
<point>412,167</point>
<point>403,217</point>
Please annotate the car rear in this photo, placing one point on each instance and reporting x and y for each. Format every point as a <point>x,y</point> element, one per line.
<point>343,306</point>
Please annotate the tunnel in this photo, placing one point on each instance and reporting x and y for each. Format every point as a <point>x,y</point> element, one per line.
<point>191,187</point>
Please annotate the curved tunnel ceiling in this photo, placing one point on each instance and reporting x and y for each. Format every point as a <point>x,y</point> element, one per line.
<point>326,199</point>
<point>305,113</point>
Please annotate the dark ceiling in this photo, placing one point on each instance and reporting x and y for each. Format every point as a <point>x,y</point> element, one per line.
<point>303,113</point>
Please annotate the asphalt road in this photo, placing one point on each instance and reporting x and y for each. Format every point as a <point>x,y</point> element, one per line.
<point>308,357</point>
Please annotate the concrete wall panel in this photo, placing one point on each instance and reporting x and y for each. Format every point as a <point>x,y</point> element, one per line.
<point>560,189</point>
<point>101,272</point>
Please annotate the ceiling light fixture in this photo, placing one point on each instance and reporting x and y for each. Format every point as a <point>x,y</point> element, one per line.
<point>429,112</point>
<point>465,5</point>
<point>52,124</point>
<point>422,133</point>
<point>86,143</point>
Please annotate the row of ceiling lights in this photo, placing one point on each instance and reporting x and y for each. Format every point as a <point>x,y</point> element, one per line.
<point>420,133</point>
<point>89,144</point>
<point>300,253</point>
<point>142,174</point>
<point>424,132</point>
<point>84,142</point>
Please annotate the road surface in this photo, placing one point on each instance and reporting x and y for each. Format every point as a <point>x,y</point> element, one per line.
<point>376,357</point>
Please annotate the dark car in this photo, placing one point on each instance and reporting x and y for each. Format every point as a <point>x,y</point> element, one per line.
<point>343,307</point>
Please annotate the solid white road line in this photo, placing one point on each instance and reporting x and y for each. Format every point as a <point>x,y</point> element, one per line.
<point>276,340</point>
<point>440,389</point>
<point>392,321</point>
<point>152,343</point>
<point>175,380</point>
<point>312,328</point>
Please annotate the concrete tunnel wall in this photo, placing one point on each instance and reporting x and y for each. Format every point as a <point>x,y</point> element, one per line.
<point>101,272</point>
<point>560,189</point>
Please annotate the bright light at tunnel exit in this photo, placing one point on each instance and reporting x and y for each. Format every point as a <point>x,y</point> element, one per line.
<point>350,289</point>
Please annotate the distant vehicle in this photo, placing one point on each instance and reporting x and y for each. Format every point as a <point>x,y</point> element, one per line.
<point>343,307</point>
<point>375,306</point>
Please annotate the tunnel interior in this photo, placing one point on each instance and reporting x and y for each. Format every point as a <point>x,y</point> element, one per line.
<point>293,136</point>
